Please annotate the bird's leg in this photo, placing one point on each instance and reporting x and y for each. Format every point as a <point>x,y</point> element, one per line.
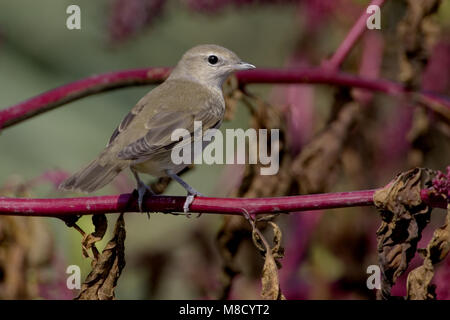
<point>191,191</point>
<point>142,188</point>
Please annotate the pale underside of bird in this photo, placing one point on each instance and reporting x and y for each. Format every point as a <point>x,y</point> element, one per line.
<point>142,141</point>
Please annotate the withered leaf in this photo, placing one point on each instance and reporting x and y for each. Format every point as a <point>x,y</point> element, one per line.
<point>314,168</point>
<point>277,249</point>
<point>235,229</point>
<point>14,263</point>
<point>102,280</point>
<point>254,184</point>
<point>160,185</point>
<point>232,96</point>
<point>404,216</point>
<point>229,238</point>
<point>417,33</point>
<point>269,280</point>
<point>89,240</point>
<point>26,250</point>
<point>270,283</point>
<point>419,286</point>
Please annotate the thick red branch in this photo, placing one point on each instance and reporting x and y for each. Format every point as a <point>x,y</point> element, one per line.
<point>63,207</point>
<point>108,81</point>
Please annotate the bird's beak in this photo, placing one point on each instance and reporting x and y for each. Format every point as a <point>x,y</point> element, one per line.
<point>243,66</point>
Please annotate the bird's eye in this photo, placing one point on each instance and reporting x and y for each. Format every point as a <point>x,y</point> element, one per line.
<point>212,59</point>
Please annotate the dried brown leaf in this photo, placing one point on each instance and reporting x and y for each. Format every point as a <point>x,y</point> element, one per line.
<point>270,281</point>
<point>277,249</point>
<point>254,185</point>
<point>160,185</point>
<point>89,240</point>
<point>315,167</point>
<point>418,137</point>
<point>404,216</point>
<point>417,34</point>
<point>232,96</point>
<point>102,280</point>
<point>235,229</point>
<point>229,238</point>
<point>419,286</point>
<point>26,249</point>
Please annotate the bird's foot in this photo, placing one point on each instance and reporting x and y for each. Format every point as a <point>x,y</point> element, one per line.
<point>142,190</point>
<point>191,191</point>
<point>189,199</point>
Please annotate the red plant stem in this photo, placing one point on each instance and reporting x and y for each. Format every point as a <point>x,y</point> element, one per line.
<point>350,40</point>
<point>108,81</point>
<point>79,89</point>
<point>320,76</point>
<point>63,207</point>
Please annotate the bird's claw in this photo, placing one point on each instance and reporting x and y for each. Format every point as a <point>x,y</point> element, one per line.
<point>189,199</point>
<point>187,203</point>
<point>142,190</point>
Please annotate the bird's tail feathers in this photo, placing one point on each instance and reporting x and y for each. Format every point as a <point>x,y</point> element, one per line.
<point>93,176</point>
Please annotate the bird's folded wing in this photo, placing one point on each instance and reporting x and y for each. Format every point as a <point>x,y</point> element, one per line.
<point>159,129</point>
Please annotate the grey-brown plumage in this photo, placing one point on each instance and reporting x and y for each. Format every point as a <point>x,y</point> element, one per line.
<point>142,141</point>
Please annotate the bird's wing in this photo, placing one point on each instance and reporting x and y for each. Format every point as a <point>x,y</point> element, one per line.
<point>158,137</point>
<point>174,113</point>
<point>126,121</point>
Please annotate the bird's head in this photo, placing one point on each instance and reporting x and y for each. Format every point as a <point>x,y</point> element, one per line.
<point>209,64</point>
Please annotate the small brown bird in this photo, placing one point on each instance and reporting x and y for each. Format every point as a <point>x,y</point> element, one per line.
<point>142,141</point>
